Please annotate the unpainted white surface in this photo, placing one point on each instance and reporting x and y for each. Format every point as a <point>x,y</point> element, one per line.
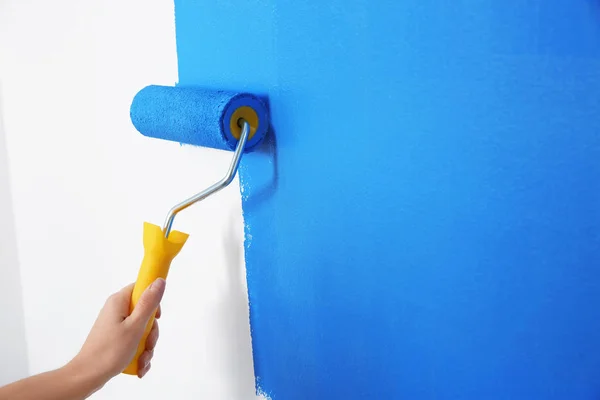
<point>13,347</point>
<point>83,181</point>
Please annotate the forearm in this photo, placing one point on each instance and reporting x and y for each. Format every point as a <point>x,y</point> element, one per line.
<point>107,351</point>
<point>67,383</point>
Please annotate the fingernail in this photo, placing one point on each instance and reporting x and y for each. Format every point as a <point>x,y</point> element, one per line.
<point>158,284</point>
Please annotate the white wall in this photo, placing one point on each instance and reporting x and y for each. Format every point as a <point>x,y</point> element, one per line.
<point>84,181</point>
<point>12,339</point>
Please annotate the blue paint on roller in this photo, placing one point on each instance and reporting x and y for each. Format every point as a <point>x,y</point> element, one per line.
<point>195,116</point>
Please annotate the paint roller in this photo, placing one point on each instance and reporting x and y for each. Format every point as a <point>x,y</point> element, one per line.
<point>202,117</point>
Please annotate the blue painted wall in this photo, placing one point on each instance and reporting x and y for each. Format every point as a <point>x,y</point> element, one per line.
<point>426,224</point>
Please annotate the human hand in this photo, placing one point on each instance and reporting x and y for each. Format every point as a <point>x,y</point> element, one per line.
<point>113,340</point>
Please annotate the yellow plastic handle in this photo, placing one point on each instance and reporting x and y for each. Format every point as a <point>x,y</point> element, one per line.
<point>158,254</point>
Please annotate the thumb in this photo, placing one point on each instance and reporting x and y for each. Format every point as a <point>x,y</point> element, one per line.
<point>148,302</point>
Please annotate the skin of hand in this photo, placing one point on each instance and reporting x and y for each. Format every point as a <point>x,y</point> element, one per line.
<point>108,349</point>
<point>113,340</point>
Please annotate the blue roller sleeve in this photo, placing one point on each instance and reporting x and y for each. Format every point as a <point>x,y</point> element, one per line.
<point>194,115</point>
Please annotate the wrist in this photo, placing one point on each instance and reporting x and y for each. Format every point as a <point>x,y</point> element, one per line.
<point>83,377</point>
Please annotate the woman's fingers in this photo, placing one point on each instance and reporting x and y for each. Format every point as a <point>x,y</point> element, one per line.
<point>152,337</point>
<point>144,370</point>
<point>144,362</point>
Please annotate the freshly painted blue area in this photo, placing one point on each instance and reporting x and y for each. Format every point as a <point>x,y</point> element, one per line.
<point>194,115</point>
<point>425,223</point>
